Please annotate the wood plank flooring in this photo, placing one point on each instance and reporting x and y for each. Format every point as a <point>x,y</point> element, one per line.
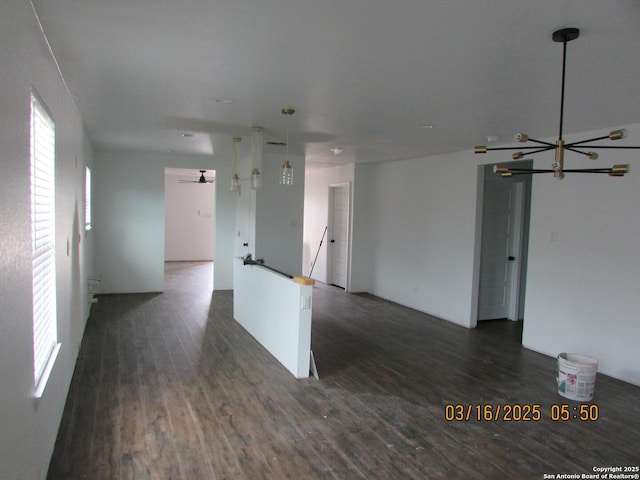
<point>168,386</point>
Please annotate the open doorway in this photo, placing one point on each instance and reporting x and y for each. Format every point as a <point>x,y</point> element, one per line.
<point>504,244</point>
<point>189,215</point>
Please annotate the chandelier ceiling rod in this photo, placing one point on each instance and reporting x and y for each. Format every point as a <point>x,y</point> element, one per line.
<point>563,35</point>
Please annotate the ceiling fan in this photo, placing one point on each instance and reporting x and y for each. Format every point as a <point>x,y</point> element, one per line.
<point>202,179</point>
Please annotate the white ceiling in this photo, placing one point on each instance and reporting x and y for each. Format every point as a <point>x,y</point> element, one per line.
<point>364,75</point>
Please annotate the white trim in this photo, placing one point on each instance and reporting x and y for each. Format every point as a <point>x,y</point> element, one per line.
<point>87,198</point>
<point>42,382</point>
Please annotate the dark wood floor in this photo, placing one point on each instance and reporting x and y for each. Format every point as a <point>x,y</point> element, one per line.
<point>168,386</point>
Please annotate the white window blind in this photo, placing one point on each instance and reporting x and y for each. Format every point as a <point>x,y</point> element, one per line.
<point>43,243</point>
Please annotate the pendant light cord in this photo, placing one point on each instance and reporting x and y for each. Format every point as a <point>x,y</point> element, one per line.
<point>287,139</point>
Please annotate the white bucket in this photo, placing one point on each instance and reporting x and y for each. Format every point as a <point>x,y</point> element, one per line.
<point>576,376</point>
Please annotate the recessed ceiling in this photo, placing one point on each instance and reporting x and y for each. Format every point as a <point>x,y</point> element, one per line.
<point>366,75</point>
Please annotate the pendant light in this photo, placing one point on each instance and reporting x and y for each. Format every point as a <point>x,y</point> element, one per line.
<point>235,179</point>
<point>557,167</point>
<point>256,154</point>
<point>286,173</point>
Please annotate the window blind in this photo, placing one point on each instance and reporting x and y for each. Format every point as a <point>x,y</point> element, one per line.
<point>43,242</point>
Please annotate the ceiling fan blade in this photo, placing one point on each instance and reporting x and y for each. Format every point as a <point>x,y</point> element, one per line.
<point>195,181</point>
<point>200,178</point>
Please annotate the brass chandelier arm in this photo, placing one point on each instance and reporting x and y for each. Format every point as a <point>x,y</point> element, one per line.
<point>522,171</point>
<point>589,170</point>
<point>486,149</point>
<point>608,171</point>
<point>615,171</point>
<point>591,155</point>
<point>623,147</point>
<point>594,139</point>
<point>552,145</point>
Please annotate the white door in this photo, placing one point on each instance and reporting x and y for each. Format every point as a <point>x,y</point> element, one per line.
<point>500,255</point>
<point>338,245</point>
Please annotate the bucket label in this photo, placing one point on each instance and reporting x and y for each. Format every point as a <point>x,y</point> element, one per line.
<point>567,382</point>
<point>575,385</point>
<point>576,376</point>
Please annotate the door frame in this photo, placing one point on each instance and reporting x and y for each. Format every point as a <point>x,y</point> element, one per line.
<point>522,187</point>
<point>329,268</point>
<point>518,248</point>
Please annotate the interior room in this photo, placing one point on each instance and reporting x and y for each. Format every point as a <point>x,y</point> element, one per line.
<point>372,148</point>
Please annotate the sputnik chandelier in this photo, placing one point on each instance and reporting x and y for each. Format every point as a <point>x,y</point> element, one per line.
<point>557,168</point>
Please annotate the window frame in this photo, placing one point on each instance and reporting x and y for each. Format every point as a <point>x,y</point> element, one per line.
<point>42,159</point>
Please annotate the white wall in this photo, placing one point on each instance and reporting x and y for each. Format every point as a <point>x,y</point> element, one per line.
<point>28,427</point>
<point>316,215</point>
<point>270,219</point>
<point>189,219</point>
<point>362,263</point>
<point>582,286</point>
<point>584,264</point>
<point>280,215</point>
<point>129,219</point>
<point>272,308</point>
<point>422,233</point>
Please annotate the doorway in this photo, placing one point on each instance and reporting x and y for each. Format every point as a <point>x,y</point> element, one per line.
<point>190,222</point>
<point>504,244</point>
<point>338,234</point>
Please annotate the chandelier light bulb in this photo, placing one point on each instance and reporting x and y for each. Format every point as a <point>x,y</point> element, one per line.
<point>286,174</point>
<point>257,140</point>
<point>256,179</point>
<point>235,179</point>
<point>619,170</point>
<point>235,183</point>
<point>618,134</point>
